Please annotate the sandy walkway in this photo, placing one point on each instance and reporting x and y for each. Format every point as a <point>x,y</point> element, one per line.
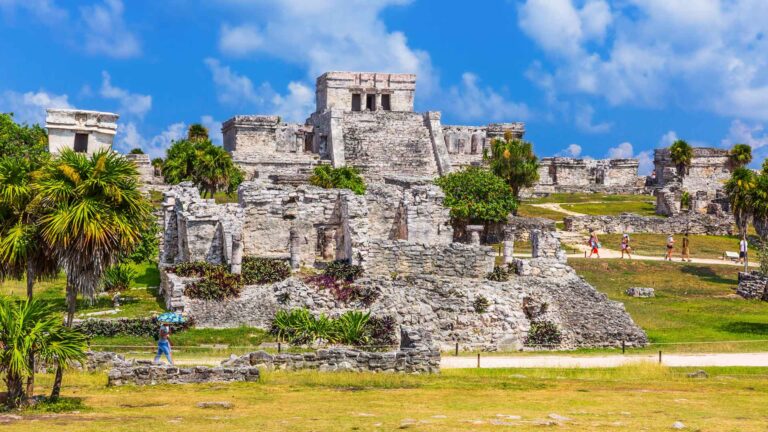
<point>556,207</point>
<point>565,361</point>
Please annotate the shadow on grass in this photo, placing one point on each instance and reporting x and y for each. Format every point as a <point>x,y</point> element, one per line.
<point>708,274</point>
<point>743,327</point>
<point>150,277</point>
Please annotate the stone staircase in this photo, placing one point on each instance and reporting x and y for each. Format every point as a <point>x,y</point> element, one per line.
<point>385,143</point>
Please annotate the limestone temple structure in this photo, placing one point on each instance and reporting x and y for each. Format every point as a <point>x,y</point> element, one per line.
<point>569,175</point>
<point>80,130</point>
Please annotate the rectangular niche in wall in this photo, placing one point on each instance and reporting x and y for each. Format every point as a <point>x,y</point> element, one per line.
<point>81,143</point>
<point>356,102</point>
<point>385,104</point>
<point>370,102</point>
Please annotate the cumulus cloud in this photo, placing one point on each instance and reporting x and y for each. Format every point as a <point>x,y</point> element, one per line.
<point>583,119</point>
<point>46,11</point>
<point>712,56</point>
<point>30,107</point>
<point>668,138</point>
<point>573,150</point>
<point>471,101</point>
<point>752,134</point>
<point>621,151</point>
<point>130,103</point>
<point>238,90</point>
<point>105,31</point>
<point>214,129</point>
<point>324,36</point>
<point>128,137</point>
<point>625,150</point>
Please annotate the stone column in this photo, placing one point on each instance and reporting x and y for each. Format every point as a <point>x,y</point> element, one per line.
<point>329,243</point>
<point>237,254</point>
<point>509,244</point>
<point>474,233</point>
<point>295,248</point>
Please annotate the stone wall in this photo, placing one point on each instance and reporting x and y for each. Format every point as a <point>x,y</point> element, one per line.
<point>692,223</point>
<point>143,372</point>
<point>753,285</point>
<point>710,168</point>
<point>412,357</point>
<point>146,170</point>
<point>570,175</point>
<point>65,125</point>
<point>404,258</point>
<point>335,90</point>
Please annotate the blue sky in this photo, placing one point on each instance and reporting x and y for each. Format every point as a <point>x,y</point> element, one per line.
<point>589,77</point>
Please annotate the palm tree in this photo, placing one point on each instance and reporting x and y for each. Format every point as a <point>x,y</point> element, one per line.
<point>740,189</point>
<point>741,155</point>
<point>93,215</point>
<point>681,154</point>
<point>197,132</point>
<point>33,329</point>
<point>157,164</point>
<point>213,169</point>
<point>22,251</point>
<point>514,160</point>
<point>179,162</point>
<point>759,205</point>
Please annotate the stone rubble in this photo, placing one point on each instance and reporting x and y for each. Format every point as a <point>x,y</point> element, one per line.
<point>146,373</point>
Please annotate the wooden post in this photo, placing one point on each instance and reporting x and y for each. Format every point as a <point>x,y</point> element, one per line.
<point>478,360</point>
<point>623,347</point>
<point>457,349</point>
<point>279,347</point>
<point>659,356</point>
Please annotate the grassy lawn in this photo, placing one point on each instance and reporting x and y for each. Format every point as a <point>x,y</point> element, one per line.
<point>527,210</point>
<point>192,341</point>
<point>643,208</point>
<point>140,300</point>
<point>693,303</point>
<point>702,246</point>
<point>587,197</point>
<point>644,397</point>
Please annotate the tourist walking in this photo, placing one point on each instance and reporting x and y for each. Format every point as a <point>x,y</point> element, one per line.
<point>164,343</point>
<point>625,247</point>
<point>686,255</point>
<point>594,244</point>
<point>743,245</point>
<point>670,248</point>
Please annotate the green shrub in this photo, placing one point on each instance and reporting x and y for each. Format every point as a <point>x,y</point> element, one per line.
<point>543,334</point>
<point>499,274</point>
<point>382,331</point>
<point>299,326</point>
<point>685,200</point>
<point>352,328</point>
<point>476,195</point>
<point>118,277</point>
<point>141,327</point>
<point>342,270</point>
<point>481,304</point>
<point>136,151</point>
<point>762,254</point>
<point>346,177</point>
<point>193,269</point>
<point>264,270</point>
<point>217,284</point>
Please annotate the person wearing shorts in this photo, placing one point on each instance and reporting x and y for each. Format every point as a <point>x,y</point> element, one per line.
<point>625,247</point>
<point>670,248</point>
<point>743,246</point>
<point>164,344</point>
<point>594,244</point>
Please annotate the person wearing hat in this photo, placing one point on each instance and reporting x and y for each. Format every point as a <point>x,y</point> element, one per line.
<point>625,247</point>
<point>164,343</point>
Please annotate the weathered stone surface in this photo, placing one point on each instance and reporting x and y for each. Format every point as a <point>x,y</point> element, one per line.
<point>640,292</point>
<point>79,130</point>
<point>568,175</point>
<point>146,373</point>
<point>692,223</point>
<point>753,285</point>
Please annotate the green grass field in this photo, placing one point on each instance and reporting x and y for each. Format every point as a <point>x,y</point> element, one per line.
<point>527,210</point>
<point>587,197</point>
<point>702,246</point>
<point>642,397</point>
<point>613,208</point>
<point>693,303</point>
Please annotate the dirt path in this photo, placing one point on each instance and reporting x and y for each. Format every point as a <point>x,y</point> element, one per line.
<point>556,207</point>
<point>566,361</point>
<point>615,254</point>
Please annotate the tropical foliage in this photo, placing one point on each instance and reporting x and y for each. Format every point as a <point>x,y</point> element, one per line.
<point>118,277</point>
<point>346,177</point>
<point>476,195</point>
<point>136,151</point>
<point>681,154</point>
<point>740,189</point>
<point>543,334</point>
<point>27,142</point>
<point>514,161</point>
<point>257,270</point>
<point>741,155</point>
<point>299,326</point>
<point>32,328</point>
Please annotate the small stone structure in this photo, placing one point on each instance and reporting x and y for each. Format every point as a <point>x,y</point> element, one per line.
<point>641,292</point>
<point>147,174</point>
<point>753,285</point>
<point>570,175</point>
<point>416,355</point>
<point>144,372</point>
<point>692,223</point>
<point>80,130</point>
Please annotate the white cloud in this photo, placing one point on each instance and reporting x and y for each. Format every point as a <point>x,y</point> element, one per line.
<point>470,101</point>
<point>668,138</point>
<point>573,150</point>
<point>582,118</point>
<point>105,31</point>
<point>621,151</point>
<point>325,36</point>
<point>238,90</point>
<point>30,107</point>
<point>710,55</point>
<point>742,133</point>
<point>45,10</point>
<point>214,129</point>
<point>130,103</point>
<point>625,150</point>
<point>128,137</point>
<point>645,158</point>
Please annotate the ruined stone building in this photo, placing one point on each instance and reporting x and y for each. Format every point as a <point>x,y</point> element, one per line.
<point>80,130</point>
<point>570,175</point>
<point>365,120</point>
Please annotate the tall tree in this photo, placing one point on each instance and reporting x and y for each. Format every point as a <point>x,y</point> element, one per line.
<point>157,164</point>
<point>740,189</point>
<point>197,132</point>
<point>514,161</point>
<point>30,142</point>
<point>681,154</point>
<point>208,166</point>
<point>32,329</point>
<point>741,155</point>
<point>93,215</point>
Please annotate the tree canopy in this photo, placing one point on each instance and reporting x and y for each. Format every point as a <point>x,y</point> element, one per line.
<point>681,154</point>
<point>741,155</point>
<point>476,195</point>
<point>514,161</point>
<point>30,142</point>
<point>346,177</point>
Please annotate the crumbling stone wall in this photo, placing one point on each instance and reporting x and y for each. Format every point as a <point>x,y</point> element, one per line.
<point>692,223</point>
<point>569,175</point>
<point>399,257</point>
<point>710,168</point>
<point>146,171</point>
<point>143,372</point>
<point>753,285</point>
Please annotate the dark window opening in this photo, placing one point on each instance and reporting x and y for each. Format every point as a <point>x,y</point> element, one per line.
<point>81,143</point>
<point>356,102</point>
<point>385,103</point>
<point>370,102</point>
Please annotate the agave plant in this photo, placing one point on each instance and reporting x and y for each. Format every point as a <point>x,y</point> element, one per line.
<point>352,328</point>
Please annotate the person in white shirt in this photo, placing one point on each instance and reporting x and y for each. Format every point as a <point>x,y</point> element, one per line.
<point>743,245</point>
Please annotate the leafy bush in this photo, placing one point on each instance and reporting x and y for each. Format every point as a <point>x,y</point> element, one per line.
<point>342,270</point>
<point>299,326</point>
<point>118,277</point>
<point>136,151</point>
<point>543,334</point>
<point>685,200</point>
<point>383,331</point>
<point>476,195</point>
<point>762,254</point>
<point>264,270</point>
<point>352,328</point>
<point>346,177</point>
<point>141,327</point>
<point>148,248</point>
<point>217,284</point>
<point>481,304</point>
<point>344,291</point>
<point>193,269</point>
<point>499,274</point>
